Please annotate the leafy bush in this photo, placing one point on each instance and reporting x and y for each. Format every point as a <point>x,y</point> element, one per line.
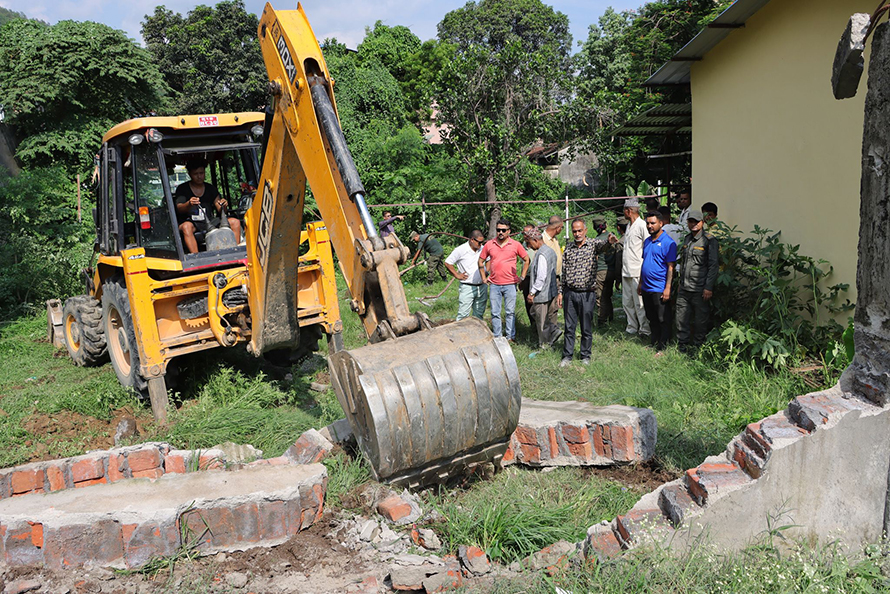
<point>776,298</point>
<point>42,245</point>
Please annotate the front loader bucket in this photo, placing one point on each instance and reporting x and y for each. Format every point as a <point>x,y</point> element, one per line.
<point>430,404</point>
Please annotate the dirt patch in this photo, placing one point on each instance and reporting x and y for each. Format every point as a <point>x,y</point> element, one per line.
<point>641,478</point>
<point>52,431</point>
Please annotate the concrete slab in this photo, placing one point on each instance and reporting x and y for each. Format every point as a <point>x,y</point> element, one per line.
<point>577,433</point>
<point>127,522</point>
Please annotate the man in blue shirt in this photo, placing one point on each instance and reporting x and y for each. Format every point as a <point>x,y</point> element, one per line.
<point>656,274</point>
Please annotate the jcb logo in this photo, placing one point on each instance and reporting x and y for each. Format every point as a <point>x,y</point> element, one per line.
<point>284,53</point>
<point>265,228</point>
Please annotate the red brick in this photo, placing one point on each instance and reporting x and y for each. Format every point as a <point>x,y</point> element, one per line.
<point>97,481</point>
<point>36,534</point>
<point>114,468</point>
<point>709,479</point>
<point>210,463</point>
<point>444,581</point>
<point>144,541</point>
<point>56,478</point>
<point>319,491</point>
<point>575,434</point>
<point>747,459</point>
<point>277,461</point>
<point>509,455</point>
<point>20,547</point>
<point>310,447</point>
<point>23,481</point>
<point>622,439</point>
<point>643,519</point>
<point>272,519</point>
<point>88,469</point>
<point>601,443</point>
<point>393,508</point>
<point>174,463</point>
<point>530,453</point>
<point>152,473</point>
<point>99,543</point>
<point>581,450</point>
<point>603,545</point>
<point>147,459</point>
<point>554,445</point>
<point>526,435</point>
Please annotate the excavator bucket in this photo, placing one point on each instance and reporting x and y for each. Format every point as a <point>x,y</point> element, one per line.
<point>430,404</point>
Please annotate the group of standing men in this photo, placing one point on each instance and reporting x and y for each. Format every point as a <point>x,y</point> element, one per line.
<point>650,262</point>
<point>580,278</point>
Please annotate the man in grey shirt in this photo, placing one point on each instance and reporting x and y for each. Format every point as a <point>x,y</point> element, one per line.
<point>542,289</point>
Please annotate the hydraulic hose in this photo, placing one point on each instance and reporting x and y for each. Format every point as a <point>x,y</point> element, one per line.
<point>327,117</point>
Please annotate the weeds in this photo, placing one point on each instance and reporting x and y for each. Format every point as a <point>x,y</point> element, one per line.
<point>757,569</point>
<point>345,473</point>
<point>519,512</point>
<point>187,551</point>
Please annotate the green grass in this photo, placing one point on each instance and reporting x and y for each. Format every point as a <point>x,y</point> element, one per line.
<point>227,395</point>
<point>758,569</point>
<point>518,512</point>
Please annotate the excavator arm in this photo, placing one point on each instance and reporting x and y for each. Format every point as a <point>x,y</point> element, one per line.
<point>423,402</point>
<point>305,144</point>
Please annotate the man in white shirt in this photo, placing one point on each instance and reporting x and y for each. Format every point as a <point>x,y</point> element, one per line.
<point>463,264</point>
<point>632,262</point>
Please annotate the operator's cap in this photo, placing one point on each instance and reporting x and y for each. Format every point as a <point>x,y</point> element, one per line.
<point>533,233</point>
<point>622,221</point>
<point>412,234</point>
<point>632,202</point>
<point>695,215</point>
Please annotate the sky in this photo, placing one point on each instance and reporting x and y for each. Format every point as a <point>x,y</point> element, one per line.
<point>344,20</point>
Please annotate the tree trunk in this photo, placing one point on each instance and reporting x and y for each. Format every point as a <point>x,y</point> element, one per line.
<point>7,150</point>
<point>492,197</point>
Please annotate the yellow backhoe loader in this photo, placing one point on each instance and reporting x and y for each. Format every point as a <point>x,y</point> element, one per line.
<point>424,402</point>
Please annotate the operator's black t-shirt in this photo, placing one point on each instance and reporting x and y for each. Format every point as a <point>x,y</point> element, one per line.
<point>184,193</point>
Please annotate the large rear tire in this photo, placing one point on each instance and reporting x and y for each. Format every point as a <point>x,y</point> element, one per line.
<point>82,327</point>
<point>123,349</point>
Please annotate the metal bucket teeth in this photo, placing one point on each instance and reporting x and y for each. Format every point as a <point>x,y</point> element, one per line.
<point>430,404</point>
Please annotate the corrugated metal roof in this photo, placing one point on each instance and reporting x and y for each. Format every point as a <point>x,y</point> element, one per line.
<point>661,120</point>
<point>676,72</point>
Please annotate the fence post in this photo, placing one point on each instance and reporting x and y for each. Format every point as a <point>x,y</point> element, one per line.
<point>79,217</point>
<point>423,209</point>
<point>567,216</point>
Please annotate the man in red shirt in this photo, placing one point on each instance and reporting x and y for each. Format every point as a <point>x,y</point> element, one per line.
<point>502,252</point>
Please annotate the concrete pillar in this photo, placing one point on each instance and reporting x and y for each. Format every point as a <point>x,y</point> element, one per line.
<point>869,374</point>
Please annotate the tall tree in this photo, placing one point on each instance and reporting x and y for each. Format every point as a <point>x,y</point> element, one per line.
<point>210,58</point>
<point>504,85</point>
<point>621,51</point>
<point>8,15</point>
<point>63,86</point>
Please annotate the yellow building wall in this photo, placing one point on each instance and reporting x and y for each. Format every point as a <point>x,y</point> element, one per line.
<point>770,144</point>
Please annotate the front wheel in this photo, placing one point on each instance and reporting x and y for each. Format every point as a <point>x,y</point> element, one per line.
<point>82,327</point>
<point>123,349</point>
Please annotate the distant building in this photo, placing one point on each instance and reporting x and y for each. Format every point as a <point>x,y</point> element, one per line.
<point>770,144</point>
<point>580,170</point>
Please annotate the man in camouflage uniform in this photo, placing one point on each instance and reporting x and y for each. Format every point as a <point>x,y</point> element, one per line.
<point>698,267</point>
